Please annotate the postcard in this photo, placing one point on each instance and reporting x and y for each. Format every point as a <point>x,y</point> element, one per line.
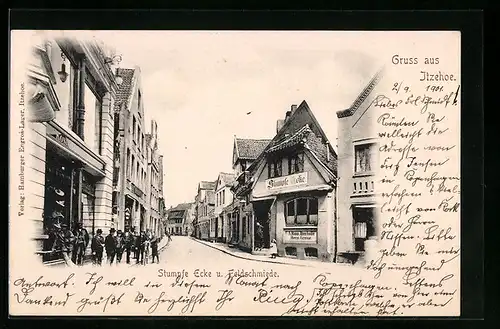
<point>234,173</point>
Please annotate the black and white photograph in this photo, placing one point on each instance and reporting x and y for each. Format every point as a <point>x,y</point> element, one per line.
<point>254,173</point>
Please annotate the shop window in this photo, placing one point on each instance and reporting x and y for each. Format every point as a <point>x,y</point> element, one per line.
<point>364,158</point>
<point>296,163</point>
<point>244,225</point>
<point>291,251</point>
<point>301,211</point>
<point>311,252</point>
<point>274,168</point>
<point>364,226</point>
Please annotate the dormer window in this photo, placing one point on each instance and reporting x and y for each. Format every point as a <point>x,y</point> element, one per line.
<point>274,168</point>
<point>296,163</point>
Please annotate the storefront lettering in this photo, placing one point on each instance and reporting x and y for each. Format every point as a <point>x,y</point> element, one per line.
<point>60,138</point>
<point>286,181</point>
<point>300,236</point>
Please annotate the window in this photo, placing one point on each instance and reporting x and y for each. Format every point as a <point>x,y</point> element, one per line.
<point>133,128</point>
<point>301,211</point>
<point>291,251</point>
<point>311,252</point>
<point>92,117</point>
<point>223,196</point>
<point>364,157</point>
<point>274,168</point>
<point>128,163</point>
<point>139,138</point>
<point>296,163</point>
<point>132,172</point>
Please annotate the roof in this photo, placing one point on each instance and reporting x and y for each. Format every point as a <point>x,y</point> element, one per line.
<point>299,137</point>
<point>205,185</point>
<point>227,178</point>
<point>295,126</point>
<point>125,89</point>
<point>182,206</point>
<point>250,149</point>
<point>362,96</point>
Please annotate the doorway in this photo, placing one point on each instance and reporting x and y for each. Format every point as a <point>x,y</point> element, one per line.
<point>262,227</point>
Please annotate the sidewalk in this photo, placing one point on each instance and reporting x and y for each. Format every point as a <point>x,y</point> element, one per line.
<point>267,259</point>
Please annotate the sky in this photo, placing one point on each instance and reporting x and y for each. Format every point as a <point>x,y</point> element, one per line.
<point>199,87</point>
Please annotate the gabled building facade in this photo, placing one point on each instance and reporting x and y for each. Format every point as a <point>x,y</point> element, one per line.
<point>358,162</point>
<point>154,187</point>
<point>220,225</point>
<point>245,152</point>
<point>290,191</point>
<point>180,218</point>
<point>204,209</point>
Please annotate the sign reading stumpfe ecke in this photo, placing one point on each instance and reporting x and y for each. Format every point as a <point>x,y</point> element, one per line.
<point>286,181</point>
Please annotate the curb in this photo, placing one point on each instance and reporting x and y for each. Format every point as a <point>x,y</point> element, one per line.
<point>246,258</point>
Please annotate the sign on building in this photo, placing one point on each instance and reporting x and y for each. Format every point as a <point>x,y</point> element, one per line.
<point>286,181</point>
<point>300,236</point>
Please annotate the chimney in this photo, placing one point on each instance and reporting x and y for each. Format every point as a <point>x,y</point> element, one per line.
<point>293,108</point>
<point>279,125</point>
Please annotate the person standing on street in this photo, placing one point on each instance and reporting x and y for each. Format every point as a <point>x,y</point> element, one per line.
<point>97,247</point>
<point>120,246</point>
<point>137,245</point>
<point>128,242</point>
<point>110,245</point>
<point>154,249</point>
<point>81,242</point>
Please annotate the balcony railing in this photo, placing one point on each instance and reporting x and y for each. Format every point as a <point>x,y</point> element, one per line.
<point>363,185</point>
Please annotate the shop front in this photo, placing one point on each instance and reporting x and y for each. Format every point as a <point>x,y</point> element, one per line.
<point>72,173</point>
<point>296,210</point>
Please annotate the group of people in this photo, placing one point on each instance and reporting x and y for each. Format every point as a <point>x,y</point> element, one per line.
<point>138,245</point>
<point>73,244</point>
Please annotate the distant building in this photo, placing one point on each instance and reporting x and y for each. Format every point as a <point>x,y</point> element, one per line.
<point>154,187</point>
<point>180,219</point>
<point>204,209</point>
<point>358,160</point>
<point>245,152</point>
<point>220,226</point>
<point>130,183</point>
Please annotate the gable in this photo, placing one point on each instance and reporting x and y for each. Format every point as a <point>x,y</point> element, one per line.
<point>314,174</point>
<point>235,153</point>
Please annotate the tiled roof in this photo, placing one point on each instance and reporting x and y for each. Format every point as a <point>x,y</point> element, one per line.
<point>182,206</point>
<point>228,178</point>
<point>250,149</point>
<point>299,137</point>
<point>176,213</point>
<point>125,89</point>
<point>204,185</point>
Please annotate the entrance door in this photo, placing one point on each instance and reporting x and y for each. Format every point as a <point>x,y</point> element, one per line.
<point>262,211</point>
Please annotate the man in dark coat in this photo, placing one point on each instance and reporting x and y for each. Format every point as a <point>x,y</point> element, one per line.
<point>137,246</point>
<point>120,246</point>
<point>154,248</point>
<point>110,245</point>
<point>97,247</point>
<point>128,243</point>
<point>81,242</point>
